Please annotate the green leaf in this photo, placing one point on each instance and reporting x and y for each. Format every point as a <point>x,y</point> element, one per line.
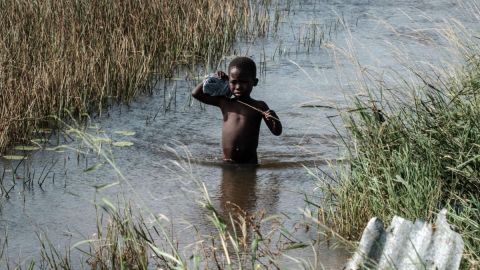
<point>122,144</point>
<point>60,148</point>
<point>14,157</point>
<point>39,140</point>
<point>102,139</point>
<point>399,179</point>
<point>125,132</point>
<point>109,204</point>
<point>93,168</point>
<point>83,242</point>
<point>296,246</point>
<point>26,148</point>
<point>254,249</point>
<point>165,255</point>
<point>44,130</point>
<point>105,186</point>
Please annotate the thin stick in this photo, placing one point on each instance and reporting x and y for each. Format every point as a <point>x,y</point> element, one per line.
<point>256,109</point>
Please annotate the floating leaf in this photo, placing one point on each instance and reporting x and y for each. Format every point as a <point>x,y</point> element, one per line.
<point>39,140</point>
<point>122,144</point>
<point>26,148</point>
<point>60,148</point>
<point>296,245</point>
<point>102,139</point>
<point>14,157</point>
<point>125,132</point>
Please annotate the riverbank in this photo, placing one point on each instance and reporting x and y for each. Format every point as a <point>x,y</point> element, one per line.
<point>411,155</point>
<point>73,58</point>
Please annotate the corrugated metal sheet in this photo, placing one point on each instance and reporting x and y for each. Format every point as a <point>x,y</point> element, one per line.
<point>408,245</point>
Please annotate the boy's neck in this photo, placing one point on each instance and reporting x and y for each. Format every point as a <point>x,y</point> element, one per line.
<point>244,98</point>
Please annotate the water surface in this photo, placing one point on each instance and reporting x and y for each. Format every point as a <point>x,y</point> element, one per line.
<point>176,144</point>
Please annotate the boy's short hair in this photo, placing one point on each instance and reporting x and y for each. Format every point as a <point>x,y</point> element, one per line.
<point>245,64</point>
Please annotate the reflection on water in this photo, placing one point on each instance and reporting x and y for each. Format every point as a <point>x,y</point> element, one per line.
<point>237,189</point>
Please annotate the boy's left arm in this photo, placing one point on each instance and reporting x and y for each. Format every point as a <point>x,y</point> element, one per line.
<point>272,120</point>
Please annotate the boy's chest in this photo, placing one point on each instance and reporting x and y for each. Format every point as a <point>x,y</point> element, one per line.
<point>240,113</point>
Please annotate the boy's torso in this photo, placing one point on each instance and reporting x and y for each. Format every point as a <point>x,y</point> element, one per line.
<point>240,131</point>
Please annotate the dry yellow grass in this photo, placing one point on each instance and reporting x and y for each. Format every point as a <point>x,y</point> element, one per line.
<point>79,56</point>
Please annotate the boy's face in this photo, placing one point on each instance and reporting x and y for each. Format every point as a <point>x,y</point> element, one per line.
<point>241,83</point>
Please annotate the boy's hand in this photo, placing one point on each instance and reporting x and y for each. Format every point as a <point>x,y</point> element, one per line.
<point>222,75</point>
<point>272,121</point>
<point>269,115</point>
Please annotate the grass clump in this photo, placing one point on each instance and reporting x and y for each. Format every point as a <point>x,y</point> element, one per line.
<point>80,56</point>
<point>121,243</point>
<point>128,241</point>
<point>412,158</point>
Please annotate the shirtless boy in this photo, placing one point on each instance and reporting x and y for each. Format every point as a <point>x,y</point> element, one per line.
<point>241,122</point>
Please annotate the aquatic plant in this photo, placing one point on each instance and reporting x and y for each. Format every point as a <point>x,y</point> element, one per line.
<point>121,243</point>
<point>82,56</point>
<point>411,157</point>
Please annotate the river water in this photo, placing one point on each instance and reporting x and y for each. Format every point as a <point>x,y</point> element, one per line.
<point>176,141</point>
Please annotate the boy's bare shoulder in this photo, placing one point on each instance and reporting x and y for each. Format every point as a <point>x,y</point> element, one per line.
<point>260,104</point>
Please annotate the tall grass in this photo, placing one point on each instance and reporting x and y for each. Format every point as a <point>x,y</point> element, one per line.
<point>121,243</point>
<point>237,241</point>
<point>83,55</point>
<point>413,157</point>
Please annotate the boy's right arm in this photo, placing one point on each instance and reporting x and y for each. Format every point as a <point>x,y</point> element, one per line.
<point>198,94</point>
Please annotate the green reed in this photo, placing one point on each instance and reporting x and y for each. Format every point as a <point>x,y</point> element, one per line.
<point>81,56</point>
<point>412,157</point>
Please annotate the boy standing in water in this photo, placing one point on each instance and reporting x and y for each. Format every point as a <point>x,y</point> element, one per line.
<point>242,115</point>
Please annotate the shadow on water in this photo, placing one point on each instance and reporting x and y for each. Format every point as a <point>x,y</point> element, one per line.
<point>248,193</point>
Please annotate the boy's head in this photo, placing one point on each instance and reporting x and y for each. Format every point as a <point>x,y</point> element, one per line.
<point>245,64</point>
<point>242,73</point>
